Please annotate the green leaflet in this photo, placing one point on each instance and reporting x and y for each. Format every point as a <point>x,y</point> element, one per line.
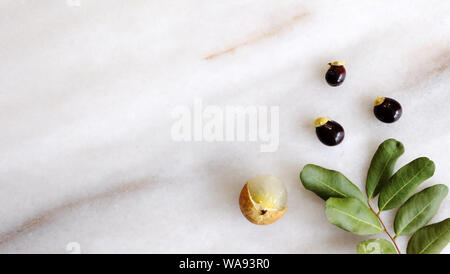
<point>352,215</point>
<point>430,239</point>
<point>404,182</point>
<point>376,246</point>
<point>419,209</point>
<point>329,183</point>
<point>382,166</point>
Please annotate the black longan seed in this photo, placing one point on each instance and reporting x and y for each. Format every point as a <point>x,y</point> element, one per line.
<point>387,109</point>
<point>335,75</point>
<point>329,132</point>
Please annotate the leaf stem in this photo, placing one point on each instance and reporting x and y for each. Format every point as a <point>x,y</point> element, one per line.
<point>385,229</point>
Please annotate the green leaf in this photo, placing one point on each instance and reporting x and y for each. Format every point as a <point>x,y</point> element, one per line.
<point>329,183</point>
<point>430,239</point>
<point>382,166</point>
<point>419,209</point>
<point>376,246</point>
<point>404,182</point>
<point>352,215</point>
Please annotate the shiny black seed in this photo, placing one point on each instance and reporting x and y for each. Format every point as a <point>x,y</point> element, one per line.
<point>335,75</point>
<point>331,133</point>
<point>388,110</point>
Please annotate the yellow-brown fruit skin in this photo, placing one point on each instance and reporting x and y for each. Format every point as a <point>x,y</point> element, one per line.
<point>254,215</point>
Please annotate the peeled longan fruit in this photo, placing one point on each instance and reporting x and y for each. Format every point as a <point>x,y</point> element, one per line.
<point>263,200</point>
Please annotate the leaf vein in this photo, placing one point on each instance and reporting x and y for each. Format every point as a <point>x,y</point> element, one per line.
<point>415,216</point>
<point>428,245</point>
<point>381,173</point>
<point>358,219</point>
<point>345,196</point>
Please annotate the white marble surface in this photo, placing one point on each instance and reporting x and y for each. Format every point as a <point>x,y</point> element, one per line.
<point>87,92</point>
